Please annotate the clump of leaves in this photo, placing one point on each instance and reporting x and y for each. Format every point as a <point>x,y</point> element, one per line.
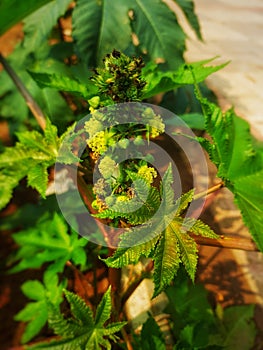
<point>95,35</point>
<point>196,325</point>
<point>48,242</point>
<point>151,337</point>
<point>32,155</point>
<point>82,330</point>
<point>35,313</point>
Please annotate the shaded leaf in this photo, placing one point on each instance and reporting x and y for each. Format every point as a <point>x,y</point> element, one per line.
<point>158,31</point>
<point>151,336</point>
<point>240,327</point>
<point>36,313</point>
<point>36,34</point>
<point>94,29</point>
<point>233,151</point>
<point>82,331</point>
<point>13,11</point>
<point>48,241</point>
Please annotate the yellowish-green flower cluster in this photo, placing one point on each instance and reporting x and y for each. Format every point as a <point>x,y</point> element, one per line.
<point>155,122</point>
<point>122,198</point>
<point>148,173</point>
<point>99,187</point>
<point>120,78</point>
<point>98,144</point>
<point>95,123</point>
<point>108,167</point>
<point>100,138</point>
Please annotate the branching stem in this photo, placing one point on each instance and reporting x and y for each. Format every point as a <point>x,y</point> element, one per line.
<point>209,191</point>
<point>227,242</point>
<point>32,104</point>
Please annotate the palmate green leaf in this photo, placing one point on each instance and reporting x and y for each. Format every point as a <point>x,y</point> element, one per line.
<point>182,203</point>
<point>188,9</point>
<point>94,29</point>
<point>239,163</point>
<point>12,173</point>
<point>22,155</point>
<point>187,246</point>
<point>154,23</point>
<point>36,34</point>
<point>65,83</point>
<point>167,241</point>
<point>82,331</point>
<point>30,157</point>
<point>35,44</point>
<point>13,11</point>
<point>199,228</point>
<point>66,155</point>
<point>158,81</point>
<point>51,136</point>
<point>36,313</point>
<point>158,32</point>
<point>49,241</point>
<point>80,311</point>
<point>45,147</point>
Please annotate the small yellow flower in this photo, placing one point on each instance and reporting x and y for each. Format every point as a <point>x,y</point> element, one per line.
<point>122,198</point>
<point>148,173</point>
<point>98,143</point>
